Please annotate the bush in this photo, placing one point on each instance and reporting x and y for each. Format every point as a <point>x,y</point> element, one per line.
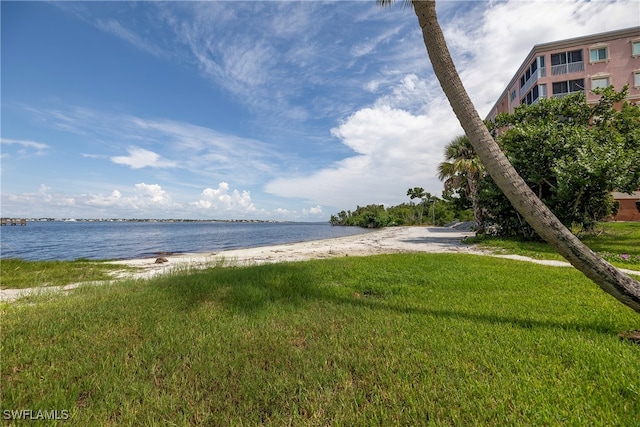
<point>572,155</point>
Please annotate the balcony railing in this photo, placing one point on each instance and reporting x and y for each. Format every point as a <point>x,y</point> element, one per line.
<point>535,101</point>
<point>571,67</point>
<point>540,72</point>
<point>563,94</point>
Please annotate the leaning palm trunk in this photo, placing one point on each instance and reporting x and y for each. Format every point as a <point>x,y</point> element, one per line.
<point>536,213</point>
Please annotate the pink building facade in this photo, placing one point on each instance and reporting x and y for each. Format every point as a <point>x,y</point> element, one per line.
<point>580,64</point>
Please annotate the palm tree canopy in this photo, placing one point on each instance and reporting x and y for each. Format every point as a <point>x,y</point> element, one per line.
<point>460,160</point>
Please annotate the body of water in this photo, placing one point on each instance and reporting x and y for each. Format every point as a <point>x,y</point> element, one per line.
<point>56,240</point>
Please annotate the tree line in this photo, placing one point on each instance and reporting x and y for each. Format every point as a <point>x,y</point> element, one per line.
<point>427,210</point>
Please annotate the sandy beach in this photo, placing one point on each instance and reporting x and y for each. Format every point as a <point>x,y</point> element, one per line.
<point>383,241</point>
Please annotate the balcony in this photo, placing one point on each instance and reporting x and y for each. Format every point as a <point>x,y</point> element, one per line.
<point>540,72</point>
<point>563,94</point>
<point>571,67</point>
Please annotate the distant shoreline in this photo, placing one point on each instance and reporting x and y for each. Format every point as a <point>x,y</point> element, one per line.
<point>127,239</point>
<point>156,220</point>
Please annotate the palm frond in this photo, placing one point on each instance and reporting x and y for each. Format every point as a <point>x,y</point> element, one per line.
<point>388,3</point>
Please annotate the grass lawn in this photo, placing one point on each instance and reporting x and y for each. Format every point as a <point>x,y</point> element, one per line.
<point>411,339</point>
<point>617,242</point>
<point>20,274</point>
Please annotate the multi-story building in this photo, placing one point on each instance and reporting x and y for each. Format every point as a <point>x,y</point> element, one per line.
<point>575,65</point>
<point>580,64</point>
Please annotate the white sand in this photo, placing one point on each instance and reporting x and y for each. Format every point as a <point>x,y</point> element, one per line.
<point>382,241</point>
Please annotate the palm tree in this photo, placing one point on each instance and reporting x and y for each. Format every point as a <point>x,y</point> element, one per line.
<point>461,170</point>
<point>418,193</point>
<point>536,213</point>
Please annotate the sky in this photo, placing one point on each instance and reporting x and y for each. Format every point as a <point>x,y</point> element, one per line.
<point>286,111</point>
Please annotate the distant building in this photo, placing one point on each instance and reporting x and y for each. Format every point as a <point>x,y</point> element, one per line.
<point>628,206</point>
<point>579,64</point>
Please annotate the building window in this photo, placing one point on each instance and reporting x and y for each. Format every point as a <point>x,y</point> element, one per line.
<point>635,48</point>
<point>566,62</point>
<point>535,94</point>
<point>533,73</point>
<point>636,79</point>
<point>512,96</point>
<point>599,82</point>
<point>562,89</point>
<point>598,54</point>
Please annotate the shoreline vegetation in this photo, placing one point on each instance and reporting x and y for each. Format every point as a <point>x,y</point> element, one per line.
<point>398,337</point>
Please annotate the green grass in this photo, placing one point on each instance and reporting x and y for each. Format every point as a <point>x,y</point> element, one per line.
<point>617,242</point>
<point>20,274</point>
<point>411,339</point>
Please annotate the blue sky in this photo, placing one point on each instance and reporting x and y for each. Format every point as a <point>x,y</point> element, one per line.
<point>254,110</point>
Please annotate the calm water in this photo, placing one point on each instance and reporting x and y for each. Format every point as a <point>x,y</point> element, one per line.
<point>123,240</point>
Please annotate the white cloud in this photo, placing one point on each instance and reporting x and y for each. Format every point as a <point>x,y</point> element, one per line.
<point>198,149</point>
<point>152,195</point>
<point>248,62</point>
<point>221,199</point>
<point>38,203</point>
<point>203,149</point>
<point>143,198</point>
<point>109,201</point>
<point>283,213</point>
<point>130,36</point>
<point>140,158</point>
<point>36,148</point>
<point>142,201</point>
<point>239,62</point>
<point>370,45</point>
<point>395,150</point>
<point>313,211</point>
